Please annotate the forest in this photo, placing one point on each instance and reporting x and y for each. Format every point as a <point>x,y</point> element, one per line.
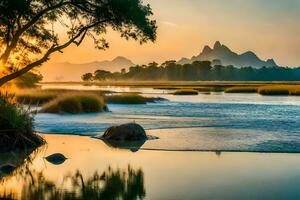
<point>197,71</point>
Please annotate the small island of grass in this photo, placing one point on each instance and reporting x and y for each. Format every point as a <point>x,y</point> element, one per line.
<point>246,89</point>
<point>130,99</point>
<point>186,92</point>
<point>72,103</point>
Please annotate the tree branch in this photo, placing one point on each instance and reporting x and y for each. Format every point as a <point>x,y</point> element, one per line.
<point>81,33</point>
<point>4,57</point>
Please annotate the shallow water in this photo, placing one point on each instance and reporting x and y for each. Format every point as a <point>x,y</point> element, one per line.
<point>94,170</point>
<point>225,122</point>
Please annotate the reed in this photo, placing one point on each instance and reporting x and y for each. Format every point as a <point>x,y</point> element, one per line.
<point>75,103</point>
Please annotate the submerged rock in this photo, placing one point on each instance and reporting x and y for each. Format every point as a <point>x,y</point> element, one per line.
<point>56,158</point>
<point>7,169</point>
<point>125,132</point>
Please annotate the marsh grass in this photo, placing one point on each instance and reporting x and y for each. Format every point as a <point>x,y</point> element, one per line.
<point>245,89</point>
<point>36,98</point>
<point>16,126</point>
<point>40,97</point>
<point>279,90</point>
<point>75,103</point>
<point>186,92</point>
<point>130,99</point>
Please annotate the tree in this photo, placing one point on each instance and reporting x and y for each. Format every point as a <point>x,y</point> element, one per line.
<point>102,75</point>
<point>87,77</point>
<point>30,30</point>
<point>28,80</point>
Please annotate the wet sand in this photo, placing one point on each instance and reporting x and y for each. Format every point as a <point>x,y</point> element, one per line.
<point>148,174</point>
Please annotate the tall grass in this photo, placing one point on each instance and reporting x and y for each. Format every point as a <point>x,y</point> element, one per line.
<point>129,99</point>
<point>39,97</point>
<point>186,92</point>
<point>75,103</point>
<point>246,89</point>
<point>279,90</point>
<point>16,126</point>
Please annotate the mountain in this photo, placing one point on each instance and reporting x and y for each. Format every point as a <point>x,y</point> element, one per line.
<point>226,56</point>
<point>72,72</point>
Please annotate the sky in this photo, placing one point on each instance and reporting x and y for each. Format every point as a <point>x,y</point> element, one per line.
<point>270,28</point>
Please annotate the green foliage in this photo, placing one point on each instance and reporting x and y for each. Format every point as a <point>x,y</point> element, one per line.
<point>28,80</point>
<point>16,126</point>
<point>186,92</point>
<point>75,103</point>
<point>30,30</point>
<point>201,71</point>
<point>87,77</point>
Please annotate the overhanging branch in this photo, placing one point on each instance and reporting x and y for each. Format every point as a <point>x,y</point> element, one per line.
<point>81,34</point>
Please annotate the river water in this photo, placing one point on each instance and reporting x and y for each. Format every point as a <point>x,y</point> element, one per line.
<point>213,122</point>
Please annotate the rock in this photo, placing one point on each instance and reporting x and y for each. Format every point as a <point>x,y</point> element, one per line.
<point>56,158</point>
<point>125,132</point>
<point>7,169</point>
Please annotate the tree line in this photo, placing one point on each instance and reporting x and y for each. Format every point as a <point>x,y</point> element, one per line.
<point>197,71</point>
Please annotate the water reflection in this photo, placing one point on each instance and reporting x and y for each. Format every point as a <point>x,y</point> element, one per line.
<point>133,146</point>
<point>18,160</point>
<point>112,183</point>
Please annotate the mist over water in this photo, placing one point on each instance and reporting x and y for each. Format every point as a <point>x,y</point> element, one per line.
<point>227,122</point>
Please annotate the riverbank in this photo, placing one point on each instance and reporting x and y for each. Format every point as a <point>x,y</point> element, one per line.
<point>154,174</point>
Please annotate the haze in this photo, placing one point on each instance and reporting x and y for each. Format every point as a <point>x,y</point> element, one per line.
<point>270,28</point>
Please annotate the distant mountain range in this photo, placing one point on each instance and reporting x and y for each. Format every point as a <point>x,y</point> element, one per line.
<point>72,72</point>
<point>221,54</point>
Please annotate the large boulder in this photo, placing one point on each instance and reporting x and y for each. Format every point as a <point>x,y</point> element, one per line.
<point>125,132</point>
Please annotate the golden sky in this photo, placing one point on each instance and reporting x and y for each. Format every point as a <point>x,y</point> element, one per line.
<point>268,27</point>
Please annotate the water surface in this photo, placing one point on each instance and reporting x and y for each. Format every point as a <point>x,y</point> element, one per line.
<point>96,170</point>
<point>218,121</point>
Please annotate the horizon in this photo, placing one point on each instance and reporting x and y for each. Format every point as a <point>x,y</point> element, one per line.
<point>206,23</point>
<point>123,57</point>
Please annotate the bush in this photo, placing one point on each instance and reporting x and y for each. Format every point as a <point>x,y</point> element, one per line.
<point>75,103</point>
<point>186,92</point>
<point>16,126</point>
<point>241,90</point>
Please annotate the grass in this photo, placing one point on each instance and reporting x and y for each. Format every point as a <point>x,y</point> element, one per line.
<point>129,99</point>
<point>16,126</point>
<point>75,103</point>
<point>36,98</point>
<point>40,97</point>
<point>279,90</point>
<point>186,92</point>
<point>246,89</point>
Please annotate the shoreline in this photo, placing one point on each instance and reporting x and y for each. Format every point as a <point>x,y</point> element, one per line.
<point>171,150</point>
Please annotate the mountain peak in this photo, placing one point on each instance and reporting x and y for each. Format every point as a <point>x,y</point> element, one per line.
<point>206,49</point>
<point>120,58</point>
<point>250,54</point>
<point>217,45</point>
<point>227,57</point>
<point>271,62</point>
